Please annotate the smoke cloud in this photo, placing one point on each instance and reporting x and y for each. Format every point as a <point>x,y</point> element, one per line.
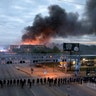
<point>91,14</point>
<point>59,23</point>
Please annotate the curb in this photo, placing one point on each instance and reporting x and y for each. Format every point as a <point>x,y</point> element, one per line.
<point>24,71</point>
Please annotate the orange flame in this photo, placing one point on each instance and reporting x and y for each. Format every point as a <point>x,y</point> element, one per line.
<point>40,39</point>
<point>31,42</point>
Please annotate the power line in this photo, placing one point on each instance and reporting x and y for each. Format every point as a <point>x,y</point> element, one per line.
<point>73,2</point>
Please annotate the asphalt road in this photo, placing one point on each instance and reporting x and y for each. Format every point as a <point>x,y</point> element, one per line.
<point>10,71</point>
<point>44,90</point>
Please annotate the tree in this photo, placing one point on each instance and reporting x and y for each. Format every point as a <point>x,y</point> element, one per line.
<point>55,49</point>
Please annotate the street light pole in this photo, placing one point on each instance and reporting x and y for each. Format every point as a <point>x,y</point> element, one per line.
<point>52,62</point>
<point>70,59</point>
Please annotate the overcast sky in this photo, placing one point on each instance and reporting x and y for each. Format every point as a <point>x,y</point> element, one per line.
<point>15,15</point>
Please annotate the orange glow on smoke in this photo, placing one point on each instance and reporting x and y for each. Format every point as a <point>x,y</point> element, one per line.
<point>40,39</point>
<point>31,42</point>
<point>37,41</point>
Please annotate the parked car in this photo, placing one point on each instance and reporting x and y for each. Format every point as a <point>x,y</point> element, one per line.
<point>39,65</point>
<point>90,63</point>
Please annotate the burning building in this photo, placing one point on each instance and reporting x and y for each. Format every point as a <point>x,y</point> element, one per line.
<point>25,48</point>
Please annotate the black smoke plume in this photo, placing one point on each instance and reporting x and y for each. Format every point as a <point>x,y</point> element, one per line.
<point>59,23</point>
<point>91,14</point>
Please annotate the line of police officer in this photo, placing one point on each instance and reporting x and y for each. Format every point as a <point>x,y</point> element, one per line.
<point>46,81</point>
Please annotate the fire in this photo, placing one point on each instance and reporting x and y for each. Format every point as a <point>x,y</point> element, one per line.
<point>31,42</point>
<point>39,40</point>
<point>42,37</point>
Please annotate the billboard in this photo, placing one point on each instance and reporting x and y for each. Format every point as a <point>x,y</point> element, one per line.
<point>71,47</point>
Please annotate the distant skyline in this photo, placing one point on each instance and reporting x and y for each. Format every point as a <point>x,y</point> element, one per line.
<point>15,15</point>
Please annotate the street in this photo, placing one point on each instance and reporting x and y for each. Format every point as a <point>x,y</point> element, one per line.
<point>10,72</point>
